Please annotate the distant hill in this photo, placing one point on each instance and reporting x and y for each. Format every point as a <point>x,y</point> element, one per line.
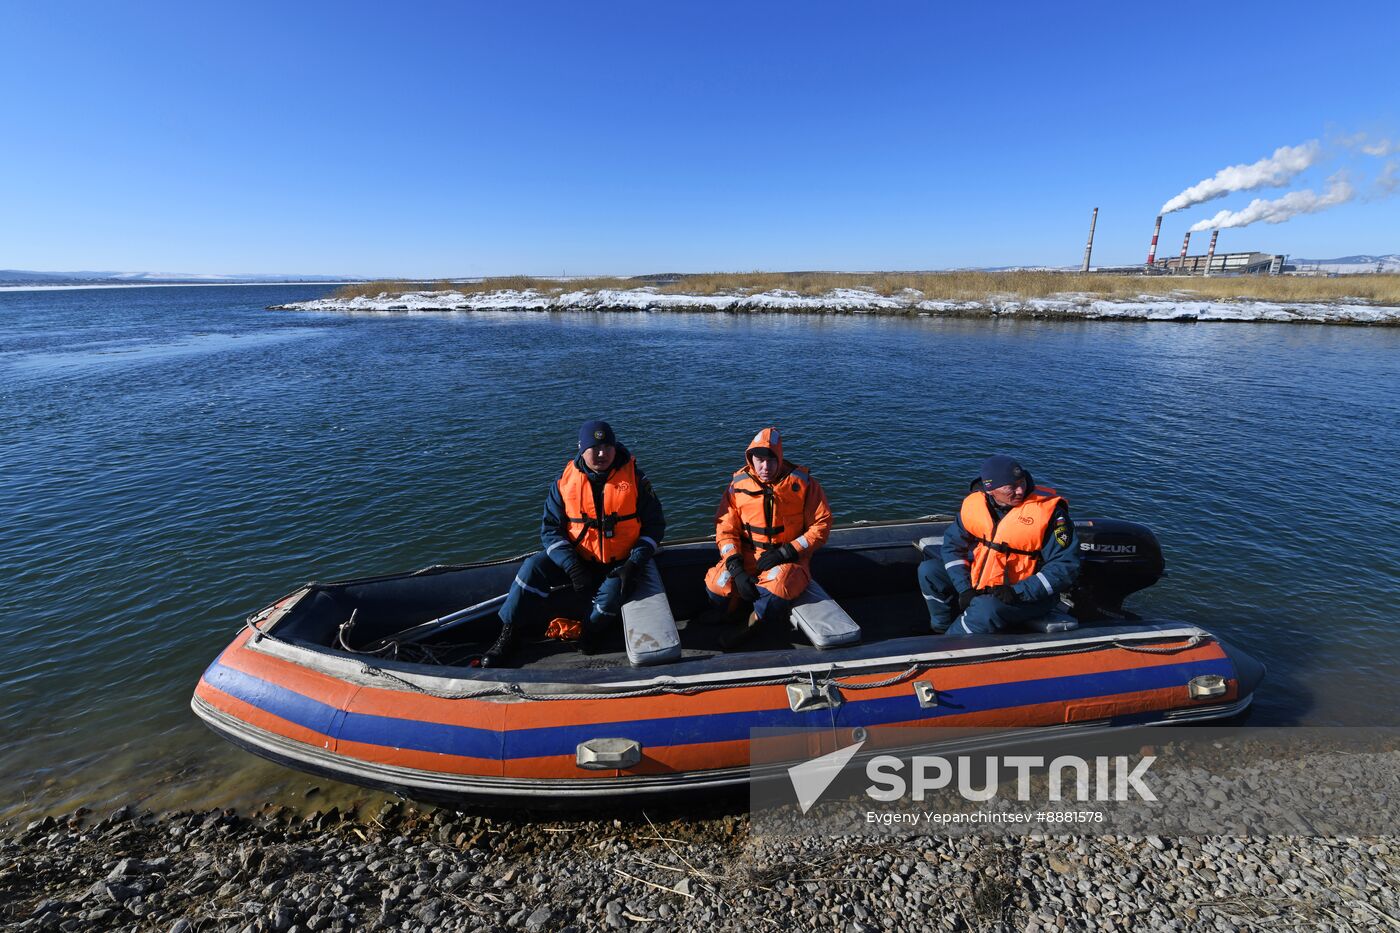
<point>27,277</point>
<point>1349,264</point>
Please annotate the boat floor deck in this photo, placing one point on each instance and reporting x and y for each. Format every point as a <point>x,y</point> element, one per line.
<point>881,618</point>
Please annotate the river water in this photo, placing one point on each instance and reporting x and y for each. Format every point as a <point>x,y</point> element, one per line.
<point>175,458</point>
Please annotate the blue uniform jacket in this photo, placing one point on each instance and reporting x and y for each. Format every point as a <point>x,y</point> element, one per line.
<point>1059,557</point>
<point>554,529</point>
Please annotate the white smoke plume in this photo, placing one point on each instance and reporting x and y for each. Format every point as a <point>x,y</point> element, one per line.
<point>1307,201</point>
<point>1278,169</point>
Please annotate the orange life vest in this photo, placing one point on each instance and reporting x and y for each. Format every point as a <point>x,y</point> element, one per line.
<point>1008,551</point>
<point>612,536</point>
<point>772,515</point>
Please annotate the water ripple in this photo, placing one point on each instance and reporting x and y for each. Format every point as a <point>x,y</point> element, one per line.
<point>150,506</point>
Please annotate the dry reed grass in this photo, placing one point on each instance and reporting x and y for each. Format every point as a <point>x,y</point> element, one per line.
<point>519,283</point>
<point>947,286</point>
<point>976,286</point>
<point>378,287</point>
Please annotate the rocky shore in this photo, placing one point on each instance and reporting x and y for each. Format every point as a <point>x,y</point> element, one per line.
<point>1182,308</point>
<point>404,867</point>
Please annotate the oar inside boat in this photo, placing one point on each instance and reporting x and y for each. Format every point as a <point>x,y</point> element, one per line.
<point>441,625</point>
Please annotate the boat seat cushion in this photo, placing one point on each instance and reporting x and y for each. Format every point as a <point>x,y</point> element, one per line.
<point>648,627</point>
<point>1053,621</point>
<point>822,619</point>
<point>927,545</point>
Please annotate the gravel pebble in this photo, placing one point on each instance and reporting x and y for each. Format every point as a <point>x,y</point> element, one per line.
<point>411,868</point>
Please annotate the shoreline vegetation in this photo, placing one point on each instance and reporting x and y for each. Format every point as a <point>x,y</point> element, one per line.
<point>1365,299</point>
<point>1373,288</point>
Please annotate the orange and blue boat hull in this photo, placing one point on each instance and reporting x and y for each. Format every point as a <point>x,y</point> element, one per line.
<point>468,735</point>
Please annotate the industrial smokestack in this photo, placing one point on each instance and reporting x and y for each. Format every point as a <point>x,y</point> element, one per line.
<point>1210,254</point>
<point>1185,244</point>
<point>1152,250</point>
<point>1089,247</point>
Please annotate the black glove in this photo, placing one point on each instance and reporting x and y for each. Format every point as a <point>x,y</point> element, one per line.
<point>1007,594</point>
<point>965,599</point>
<point>625,573</point>
<point>782,554</point>
<point>579,576</point>
<point>744,583</point>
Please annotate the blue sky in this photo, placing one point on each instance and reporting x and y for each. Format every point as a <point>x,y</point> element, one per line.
<point>616,137</point>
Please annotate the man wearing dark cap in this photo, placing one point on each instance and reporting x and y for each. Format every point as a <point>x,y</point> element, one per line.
<point>602,523</point>
<point>1004,562</point>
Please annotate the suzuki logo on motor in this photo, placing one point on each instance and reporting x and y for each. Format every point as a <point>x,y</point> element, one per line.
<point>1108,548</point>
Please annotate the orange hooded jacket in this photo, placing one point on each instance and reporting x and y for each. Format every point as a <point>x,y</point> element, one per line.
<point>753,517</point>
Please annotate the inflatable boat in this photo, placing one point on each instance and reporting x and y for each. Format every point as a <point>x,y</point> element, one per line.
<point>374,681</point>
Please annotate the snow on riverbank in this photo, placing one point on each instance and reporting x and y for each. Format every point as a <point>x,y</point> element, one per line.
<point>860,301</point>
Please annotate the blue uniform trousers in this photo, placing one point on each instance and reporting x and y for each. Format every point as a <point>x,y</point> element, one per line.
<point>985,614</point>
<point>769,605</point>
<point>538,575</point>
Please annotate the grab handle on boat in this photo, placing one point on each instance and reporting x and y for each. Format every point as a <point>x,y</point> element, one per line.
<point>926,693</point>
<point>608,754</point>
<point>813,696</point>
<point>1206,686</point>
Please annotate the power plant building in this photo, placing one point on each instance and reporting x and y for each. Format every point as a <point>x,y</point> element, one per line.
<point>1222,264</point>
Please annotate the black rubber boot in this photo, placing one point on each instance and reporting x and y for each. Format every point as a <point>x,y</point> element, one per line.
<point>595,635</point>
<point>495,655</point>
<point>731,613</point>
<point>738,636</point>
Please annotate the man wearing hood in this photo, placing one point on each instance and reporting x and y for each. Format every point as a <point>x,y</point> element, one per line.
<point>1004,562</point>
<point>772,518</point>
<point>602,523</point>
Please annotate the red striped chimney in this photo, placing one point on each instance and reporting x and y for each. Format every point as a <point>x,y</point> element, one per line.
<point>1089,248</point>
<point>1185,244</point>
<point>1152,250</point>
<point>1214,235</point>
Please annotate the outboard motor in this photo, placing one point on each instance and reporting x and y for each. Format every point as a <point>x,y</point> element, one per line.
<point>1117,559</point>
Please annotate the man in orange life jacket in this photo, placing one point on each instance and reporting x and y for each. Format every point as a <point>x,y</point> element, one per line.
<point>772,518</point>
<point>1010,554</point>
<point>602,523</point>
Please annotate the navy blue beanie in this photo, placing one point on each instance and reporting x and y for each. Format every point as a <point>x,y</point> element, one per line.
<point>1000,470</point>
<point>594,433</point>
